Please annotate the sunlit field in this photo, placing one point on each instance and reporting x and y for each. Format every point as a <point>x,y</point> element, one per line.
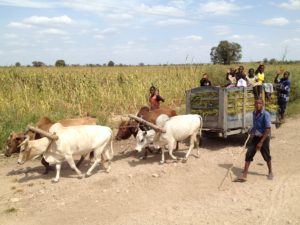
<point>27,93</point>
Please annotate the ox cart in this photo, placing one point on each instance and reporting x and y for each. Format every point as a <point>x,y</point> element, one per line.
<point>226,111</point>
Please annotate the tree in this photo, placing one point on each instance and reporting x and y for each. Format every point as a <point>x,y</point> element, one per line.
<point>110,63</point>
<point>38,63</point>
<point>18,64</point>
<point>60,63</point>
<point>226,53</point>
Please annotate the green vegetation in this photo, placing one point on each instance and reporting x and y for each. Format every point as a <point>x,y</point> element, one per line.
<point>27,93</point>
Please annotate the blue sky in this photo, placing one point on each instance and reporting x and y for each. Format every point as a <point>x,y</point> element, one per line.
<point>152,32</point>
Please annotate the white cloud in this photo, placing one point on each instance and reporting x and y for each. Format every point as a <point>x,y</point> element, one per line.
<point>220,7</point>
<point>48,21</point>
<point>189,38</point>
<point>53,31</point>
<point>297,21</point>
<point>174,22</point>
<point>293,41</point>
<point>222,29</point>
<point>279,21</point>
<point>19,25</point>
<point>102,34</point>
<point>243,37</point>
<point>291,4</point>
<point>120,17</point>
<point>10,36</point>
<point>161,10</point>
<point>26,3</point>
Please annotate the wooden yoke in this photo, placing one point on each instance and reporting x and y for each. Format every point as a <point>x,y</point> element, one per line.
<point>42,132</point>
<point>138,119</point>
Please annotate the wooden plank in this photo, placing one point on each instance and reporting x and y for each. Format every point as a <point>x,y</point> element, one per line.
<point>42,132</point>
<point>147,123</point>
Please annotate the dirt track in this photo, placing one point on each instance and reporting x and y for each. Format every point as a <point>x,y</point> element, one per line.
<point>144,192</point>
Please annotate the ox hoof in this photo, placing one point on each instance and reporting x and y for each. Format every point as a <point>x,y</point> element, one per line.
<point>87,174</point>
<point>80,176</point>
<point>54,180</point>
<point>184,160</point>
<point>161,162</point>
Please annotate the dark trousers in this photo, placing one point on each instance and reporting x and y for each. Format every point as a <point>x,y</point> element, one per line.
<point>265,149</point>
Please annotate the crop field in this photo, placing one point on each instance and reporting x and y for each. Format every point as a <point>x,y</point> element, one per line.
<point>27,93</point>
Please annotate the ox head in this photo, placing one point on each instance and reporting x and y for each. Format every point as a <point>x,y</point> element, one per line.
<point>126,129</point>
<point>13,142</point>
<point>144,138</point>
<point>32,149</point>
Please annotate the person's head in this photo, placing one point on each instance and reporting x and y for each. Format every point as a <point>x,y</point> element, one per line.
<point>260,68</point>
<point>205,76</point>
<point>251,72</point>
<point>286,75</point>
<point>241,69</point>
<point>152,90</point>
<point>259,104</point>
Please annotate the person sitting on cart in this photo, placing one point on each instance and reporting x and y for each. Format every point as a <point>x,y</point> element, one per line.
<point>205,81</point>
<point>260,78</point>
<point>283,91</point>
<point>230,76</point>
<point>252,82</point>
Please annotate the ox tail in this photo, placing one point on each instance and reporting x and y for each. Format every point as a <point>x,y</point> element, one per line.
<point>111,155</point>
<point>200,130</point>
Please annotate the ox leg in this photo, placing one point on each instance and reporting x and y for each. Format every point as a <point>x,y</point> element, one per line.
<point>97,160</point>
<point>71,162</point>
<point>171,145</point>
<point>192,143</point>
<point>162,155</point>
<point>56,178</point>
<point>80,160</point>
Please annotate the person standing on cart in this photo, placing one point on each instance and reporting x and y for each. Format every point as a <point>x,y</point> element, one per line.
<point>283,92</point>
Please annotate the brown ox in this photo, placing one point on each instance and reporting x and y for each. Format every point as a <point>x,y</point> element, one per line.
<point>15,139</point>
<point>130,127</point>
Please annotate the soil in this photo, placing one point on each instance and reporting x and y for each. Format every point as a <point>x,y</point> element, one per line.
<point>138,191</point>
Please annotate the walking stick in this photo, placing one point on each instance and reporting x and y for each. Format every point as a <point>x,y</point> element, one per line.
<point>229,171</point>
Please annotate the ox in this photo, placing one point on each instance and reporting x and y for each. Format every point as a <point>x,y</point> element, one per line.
<point>177,128</point>
<point>130,127</point>
<point>15,139</point>
<point>75,140</point>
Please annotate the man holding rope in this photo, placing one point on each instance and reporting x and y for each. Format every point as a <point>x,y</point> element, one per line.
<point>261,132</point>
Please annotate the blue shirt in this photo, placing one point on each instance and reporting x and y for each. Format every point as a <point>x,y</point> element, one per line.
<point>261,122</point>
<point>284,87</point>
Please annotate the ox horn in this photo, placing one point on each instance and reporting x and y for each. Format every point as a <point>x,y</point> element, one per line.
<point>25,142</point>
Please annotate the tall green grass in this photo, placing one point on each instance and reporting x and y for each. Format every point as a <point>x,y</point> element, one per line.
<point>26,94</point>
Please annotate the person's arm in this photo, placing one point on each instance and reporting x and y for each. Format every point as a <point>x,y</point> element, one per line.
<point>159,98</point>
<point>276,80</point>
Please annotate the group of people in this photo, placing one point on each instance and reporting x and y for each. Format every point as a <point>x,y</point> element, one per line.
<point>256,80</point>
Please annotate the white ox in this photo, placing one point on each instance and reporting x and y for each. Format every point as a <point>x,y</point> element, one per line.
<point>75,140</point>
<point>177,128</point>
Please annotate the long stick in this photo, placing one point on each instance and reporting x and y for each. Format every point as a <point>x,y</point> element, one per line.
<point>229,171</point>
<point>45,133</point>
<point>146,122</point>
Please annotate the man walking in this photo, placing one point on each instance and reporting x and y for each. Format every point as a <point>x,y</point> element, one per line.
<point>261,132</point>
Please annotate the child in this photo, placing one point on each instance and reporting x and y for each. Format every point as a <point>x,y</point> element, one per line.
<point>154,98</point>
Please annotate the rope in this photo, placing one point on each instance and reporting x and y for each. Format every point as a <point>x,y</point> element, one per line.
<point>229,171</point>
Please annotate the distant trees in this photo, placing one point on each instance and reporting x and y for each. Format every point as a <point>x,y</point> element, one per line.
<point>38,64</point>
<point>18,64</point>
<point>110,63</point>
<point>226,53</point>
<point>60,63</point>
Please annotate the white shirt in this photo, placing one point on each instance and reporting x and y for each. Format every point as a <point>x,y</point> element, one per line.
<point>241,83</point>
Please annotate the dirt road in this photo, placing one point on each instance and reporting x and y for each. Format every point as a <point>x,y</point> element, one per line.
<point>144,192</point>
